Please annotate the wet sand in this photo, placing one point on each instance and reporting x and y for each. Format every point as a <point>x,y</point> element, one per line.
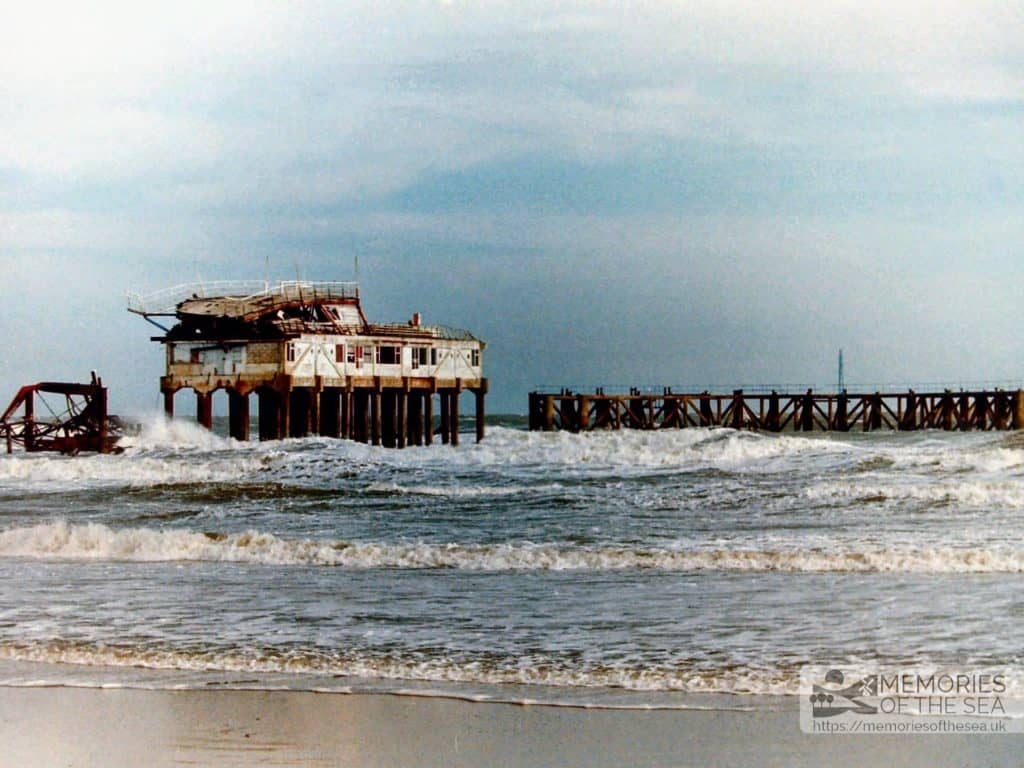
<point>119,727</point>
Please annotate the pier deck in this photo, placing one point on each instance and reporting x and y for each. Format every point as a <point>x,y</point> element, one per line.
<point>776,412</point>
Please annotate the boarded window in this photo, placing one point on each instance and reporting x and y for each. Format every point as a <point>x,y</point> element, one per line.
<point>339,353</point>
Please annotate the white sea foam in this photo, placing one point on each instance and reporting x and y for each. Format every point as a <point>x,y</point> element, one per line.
<point>724,448</point>
<point>93,541</point>
<point>648,677</point>
<point>969,493</point>
<point>56,472</point>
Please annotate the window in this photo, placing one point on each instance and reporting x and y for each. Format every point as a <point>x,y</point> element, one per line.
<point>339,353</point>
<point>355,355</point>
<point>419,357</point>
<point>474,357</point>
<point>291,352</point>
<point>389,355</point>
<point>433,356</point>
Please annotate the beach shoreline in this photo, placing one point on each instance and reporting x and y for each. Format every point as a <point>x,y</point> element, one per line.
<point>50,726</point>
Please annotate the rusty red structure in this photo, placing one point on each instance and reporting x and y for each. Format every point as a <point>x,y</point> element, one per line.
<point>79,421</point>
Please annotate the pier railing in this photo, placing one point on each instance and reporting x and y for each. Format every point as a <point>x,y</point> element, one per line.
<point>165,302</point>
<point>775,412</point>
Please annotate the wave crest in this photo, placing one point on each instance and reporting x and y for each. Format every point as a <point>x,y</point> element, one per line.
<point>93,541</point>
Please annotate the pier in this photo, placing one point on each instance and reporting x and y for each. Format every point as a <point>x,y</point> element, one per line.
<point>314,363</point>
<point>777,412</point>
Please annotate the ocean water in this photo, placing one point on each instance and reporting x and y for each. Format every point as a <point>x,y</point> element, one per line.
<point>623,569</point>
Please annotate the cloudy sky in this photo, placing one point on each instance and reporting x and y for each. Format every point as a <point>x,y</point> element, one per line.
<point>681,193</point>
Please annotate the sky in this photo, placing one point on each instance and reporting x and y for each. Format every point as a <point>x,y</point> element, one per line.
<point>662,193</point>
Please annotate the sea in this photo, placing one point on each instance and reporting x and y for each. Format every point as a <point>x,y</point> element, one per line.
<point>644,569</point>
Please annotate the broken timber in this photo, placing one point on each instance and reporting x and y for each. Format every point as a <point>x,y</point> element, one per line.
<point>776,412</point>
<point>80,423</point>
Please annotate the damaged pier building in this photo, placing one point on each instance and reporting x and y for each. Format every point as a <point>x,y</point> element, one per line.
<point>314,362</point>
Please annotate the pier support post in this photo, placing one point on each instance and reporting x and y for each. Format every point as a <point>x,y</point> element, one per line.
<point>330,412</point>
<point>414,425</point>
<point>266,404</point>
<point>401,412</point>
<point>1002,408</point>
<point>387,418</point>
<point>428,418</point>
<point>947,409</point>
<point>963,416</point>
<point>314,406</point>
<point>875,412</point>
<point>549,413</point>
<point>169,404</point>
<point>204,409</point>
<point>774,419</point>
<point>1018,410</point>
<point>346,412</point>
<point>445,417</point>
<point>707,418</point>
<point>375,419</point>
<point>300,411</point>
<point>238,416</point>
<point>361,415</point>
<point>454,412</point>
<point>841,421</point>
<point>908,422</point>
<point>480,394</point>
<point>582,413</point>
<point>736,421</point>
<point>981,410</point>
<point>807,412</point>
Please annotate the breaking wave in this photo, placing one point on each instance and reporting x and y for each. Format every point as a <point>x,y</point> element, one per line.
<point>327,664</point>
<point>94,541</point>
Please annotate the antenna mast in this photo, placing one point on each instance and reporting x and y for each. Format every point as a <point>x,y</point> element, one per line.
<point>842,381</point>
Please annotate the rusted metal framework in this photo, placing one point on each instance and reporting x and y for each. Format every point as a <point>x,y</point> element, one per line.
<point>315,363</point>
<point>776,412</point>
<point>79,423</point>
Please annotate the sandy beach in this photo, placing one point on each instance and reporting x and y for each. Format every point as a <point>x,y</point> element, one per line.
<point>120,727</point>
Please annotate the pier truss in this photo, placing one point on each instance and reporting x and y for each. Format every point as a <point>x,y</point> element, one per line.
<point>777,412</point>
